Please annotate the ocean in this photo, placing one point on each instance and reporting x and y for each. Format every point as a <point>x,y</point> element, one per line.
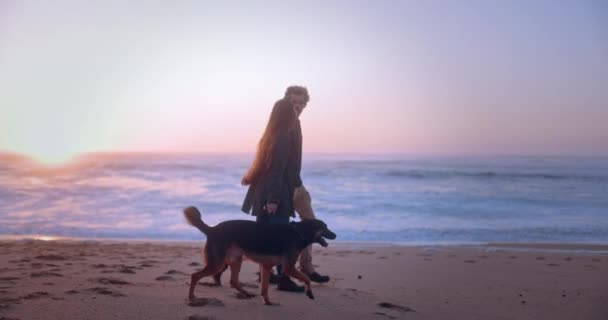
<point>396,199</point>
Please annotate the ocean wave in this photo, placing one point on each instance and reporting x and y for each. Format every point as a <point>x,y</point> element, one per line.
<point>438,174</point>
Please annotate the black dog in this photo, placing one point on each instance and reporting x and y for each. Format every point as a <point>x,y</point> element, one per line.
<point>266,244</point>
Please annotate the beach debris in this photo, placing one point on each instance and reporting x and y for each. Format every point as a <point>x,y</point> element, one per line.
<point>359,277</point>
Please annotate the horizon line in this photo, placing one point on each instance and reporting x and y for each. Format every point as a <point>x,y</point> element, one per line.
<point>9,153</point>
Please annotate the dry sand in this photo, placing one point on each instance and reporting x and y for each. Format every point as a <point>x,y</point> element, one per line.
<point>149,280</point>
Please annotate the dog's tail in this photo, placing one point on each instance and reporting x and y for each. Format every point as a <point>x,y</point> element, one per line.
<point>193,217</point>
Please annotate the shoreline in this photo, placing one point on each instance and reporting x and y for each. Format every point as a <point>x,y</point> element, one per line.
<point>594,247</point>
<point>542,246</point>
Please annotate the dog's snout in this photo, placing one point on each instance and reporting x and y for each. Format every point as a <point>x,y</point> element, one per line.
<point>329,234</point>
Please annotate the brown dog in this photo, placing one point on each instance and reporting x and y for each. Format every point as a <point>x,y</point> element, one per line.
<point>266,244</point>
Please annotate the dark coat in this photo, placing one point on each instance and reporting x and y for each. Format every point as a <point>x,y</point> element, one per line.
<point>279,183</point>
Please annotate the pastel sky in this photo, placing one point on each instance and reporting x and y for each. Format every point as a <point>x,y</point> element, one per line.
<point>411,77</point>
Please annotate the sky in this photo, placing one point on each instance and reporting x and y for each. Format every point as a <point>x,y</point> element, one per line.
<point>399,77</point>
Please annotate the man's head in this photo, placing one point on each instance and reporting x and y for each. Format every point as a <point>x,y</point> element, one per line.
<point>298,96</point>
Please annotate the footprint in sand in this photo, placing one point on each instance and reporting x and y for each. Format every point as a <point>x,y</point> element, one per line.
<point>126,270</point>
<point>208,284</point>
<point>106,291</point>
<point>35,295</point>
<point>109,281</point>
<point>197,317</point>
<point>540,258</point>
<point>384,314</point>
<point>470,261</point>
<point>45,274</point>
<point>51,257</point>
<point>172,271</point>
<point>244,296</point>
<point>201,302</point>
<point>389,305</point>
<point>553,264</point>
<point>165,278</point>
<point>8,278</point>
<point>249,285</point>
<point>194,264</point>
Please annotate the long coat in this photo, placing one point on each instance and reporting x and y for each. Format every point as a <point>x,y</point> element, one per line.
<point>283,177</point>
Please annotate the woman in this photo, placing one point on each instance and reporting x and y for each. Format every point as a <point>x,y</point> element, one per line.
<point>270,193</point>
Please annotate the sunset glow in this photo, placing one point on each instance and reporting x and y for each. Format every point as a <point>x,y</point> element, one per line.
<point>402,77</point>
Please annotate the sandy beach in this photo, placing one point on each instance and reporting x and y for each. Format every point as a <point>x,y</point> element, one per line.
<point>149,280</point>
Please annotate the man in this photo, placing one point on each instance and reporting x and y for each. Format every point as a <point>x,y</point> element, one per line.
<point>298,96</point>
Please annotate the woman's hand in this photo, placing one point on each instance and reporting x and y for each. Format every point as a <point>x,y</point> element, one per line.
<point>271,207</point>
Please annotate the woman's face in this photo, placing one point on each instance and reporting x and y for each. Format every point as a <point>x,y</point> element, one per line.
<point>299,103</point>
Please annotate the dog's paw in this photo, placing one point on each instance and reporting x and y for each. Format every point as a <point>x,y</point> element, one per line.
<point>309,294</point>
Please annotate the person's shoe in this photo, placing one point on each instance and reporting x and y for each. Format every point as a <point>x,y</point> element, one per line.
<point>286,284</point>
<point>274,278</point>
<point>316,277</point>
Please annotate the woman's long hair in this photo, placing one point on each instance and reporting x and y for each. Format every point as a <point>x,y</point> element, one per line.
<point>282,119</point>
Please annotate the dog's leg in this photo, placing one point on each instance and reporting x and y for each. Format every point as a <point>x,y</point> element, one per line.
<point>235,269</point>
<point>290,270</point>
<point>217,278</point>
<point>266,269</point>
<point>214,265</point>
